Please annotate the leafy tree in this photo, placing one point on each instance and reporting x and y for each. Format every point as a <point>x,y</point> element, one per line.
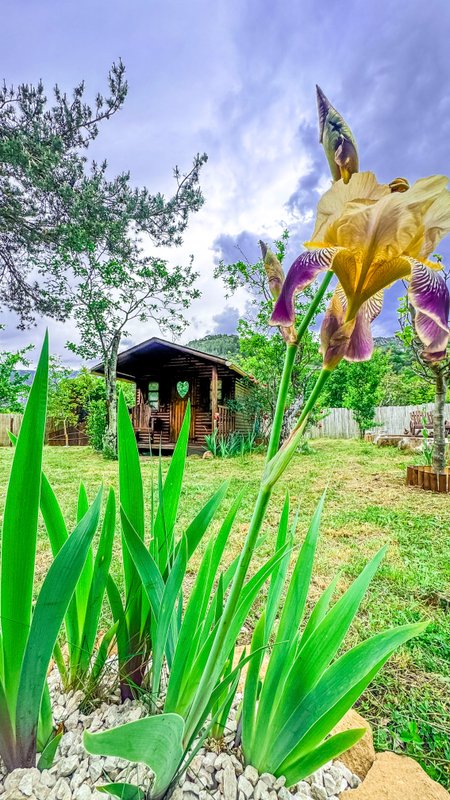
<point>363,390</point>
<point>261,348</point>
<point>404,388</point>
<point>107,278</point>
<point>435,373</point>
<point>42,170</point>
<point>62,406</point>
<point>13,383</point>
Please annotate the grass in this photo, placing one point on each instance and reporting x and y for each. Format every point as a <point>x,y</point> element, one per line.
<point>367,505</point>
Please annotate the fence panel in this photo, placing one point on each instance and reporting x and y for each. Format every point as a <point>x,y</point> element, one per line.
<point>339,422</point>
<point>9,422</point>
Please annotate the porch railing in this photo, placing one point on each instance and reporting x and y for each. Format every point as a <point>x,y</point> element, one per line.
<point>226,421</point>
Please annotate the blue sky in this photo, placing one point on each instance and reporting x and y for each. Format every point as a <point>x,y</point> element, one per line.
<point>237,79</point>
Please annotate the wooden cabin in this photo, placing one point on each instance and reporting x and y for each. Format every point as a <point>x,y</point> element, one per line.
<point>167,375</point>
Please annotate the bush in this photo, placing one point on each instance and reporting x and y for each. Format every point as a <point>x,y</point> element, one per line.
<point>96,424</point>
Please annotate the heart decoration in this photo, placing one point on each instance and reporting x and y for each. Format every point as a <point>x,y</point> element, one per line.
<point>182,388</point>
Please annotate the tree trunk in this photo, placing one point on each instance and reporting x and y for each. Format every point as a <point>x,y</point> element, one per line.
<point>66,436</point>
<point>439,460</point>
<point>110,437</point>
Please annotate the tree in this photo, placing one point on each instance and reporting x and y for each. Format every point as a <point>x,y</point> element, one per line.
<point>13,383</point>
<point>261,348</point>
<point>437,373</point>
<point>107,278</point>
<point>363,391</point>
<point>42,168</point>
<point>62,406</point>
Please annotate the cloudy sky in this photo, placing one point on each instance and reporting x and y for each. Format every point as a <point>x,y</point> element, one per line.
<point>236,78</point>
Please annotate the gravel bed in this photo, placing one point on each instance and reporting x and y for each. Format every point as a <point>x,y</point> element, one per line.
<point>216,773</point>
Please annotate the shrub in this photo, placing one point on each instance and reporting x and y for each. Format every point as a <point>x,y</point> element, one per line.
<point>96,424</point>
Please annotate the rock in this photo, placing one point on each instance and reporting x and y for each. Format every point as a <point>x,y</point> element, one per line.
<point>318,792</point>
<point>268,779</point>
<point>361,756</point>
<point>284,794</point>
<point>207,454</point>
<point>245,787</point>
<point>412,444</point>
<point>251,774</point>
<point>29,782</point>
<point>394,777</point>
<point>230,782</point>
<point>303,791</point>
<point>61,790</point>
<point>191,788</point>
<point>261,791</point>
<point>281,781</point>
<point>82,793</point>
<point>68,765</point>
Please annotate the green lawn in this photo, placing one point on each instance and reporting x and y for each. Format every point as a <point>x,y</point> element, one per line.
<point>367,506</point>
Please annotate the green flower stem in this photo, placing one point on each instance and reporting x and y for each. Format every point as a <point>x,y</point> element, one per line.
<point>318,297</point>
<point>275,433</point>
<point>209,678</point>
<point>278,464</point>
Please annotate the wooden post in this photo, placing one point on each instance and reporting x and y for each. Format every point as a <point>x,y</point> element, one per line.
<point>214,392</point>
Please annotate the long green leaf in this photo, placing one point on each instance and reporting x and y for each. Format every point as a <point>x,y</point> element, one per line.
<point>196,529</point>
<point>312,718</point>
<point>118,613</point>
<point>7,739</point>
<point>195,610</point>
<point>163,531</point>
<point>19,535</point>
<point>168,605</point>
<point>54,597</point>
<point>58,535</point>
<point>320,610</point>
<point>291,616</point>
<point>154,741</point>
<point>98,582</point>
<point>330,749</point>
<point>125,791</point>
<point>279,575</point>
<point>323,644</point>
<point>249,728</point>
<point>132,501</point>
<point>84,584</point>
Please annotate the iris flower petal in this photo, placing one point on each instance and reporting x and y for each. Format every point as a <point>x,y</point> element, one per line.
<point>302,272</point>
<point>351,339</point>
<point>429,295</point>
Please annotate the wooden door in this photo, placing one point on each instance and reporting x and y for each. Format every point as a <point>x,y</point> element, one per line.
<point>178,407</point>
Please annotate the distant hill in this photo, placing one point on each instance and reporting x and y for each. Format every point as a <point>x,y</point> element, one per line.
<point>225,345</point>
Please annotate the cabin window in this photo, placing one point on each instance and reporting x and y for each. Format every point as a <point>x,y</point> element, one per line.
<point>153,395</point>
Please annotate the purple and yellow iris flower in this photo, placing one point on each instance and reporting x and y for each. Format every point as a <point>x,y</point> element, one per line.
<point>371,235</point>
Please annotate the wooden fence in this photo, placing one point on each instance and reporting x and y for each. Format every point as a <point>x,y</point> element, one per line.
<point>54,433</point>
<point>339,422</point>
<point>9,422</point>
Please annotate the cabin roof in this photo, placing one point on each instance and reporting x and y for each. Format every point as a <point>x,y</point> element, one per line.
<point>130,362</point>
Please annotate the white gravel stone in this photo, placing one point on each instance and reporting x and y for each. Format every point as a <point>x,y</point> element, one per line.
<point>245,787</point>
<point>318,792</point>
<point>251,774</point>
<point>82,793</point>
<point>268,779</point>
<point>230,782</point>
<point>210,776</point>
